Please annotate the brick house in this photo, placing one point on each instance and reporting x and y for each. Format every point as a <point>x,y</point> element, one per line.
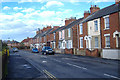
<point>13,43</point>
<point>55,38</point>
<point>26,42</point>
<point>40,38</point>
<point>51,37</point>
<point>61,38</point>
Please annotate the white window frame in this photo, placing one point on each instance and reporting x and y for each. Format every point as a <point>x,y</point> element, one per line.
<point>81,30</point>
<point>54,35</point>
<point>96,42</point>
<point>61,34</point>
<point>105,22</point>
<point>81,46</point>
<point>96,25</point>
<point>69,32</point>
<point>107,35</point>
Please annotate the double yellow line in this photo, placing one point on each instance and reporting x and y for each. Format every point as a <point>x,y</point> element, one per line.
<point>50,75</point>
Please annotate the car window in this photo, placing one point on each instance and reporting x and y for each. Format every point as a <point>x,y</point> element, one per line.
<point>35,48</point>
<point>48,48</point>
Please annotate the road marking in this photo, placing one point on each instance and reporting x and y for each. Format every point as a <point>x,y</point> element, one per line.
<point>56,60</point>
<point>77,66</point>
<point>34,66</point>
<point>50,75</point>
<point>111,76</point>
<point>43,56</point>
<point>44,61</point>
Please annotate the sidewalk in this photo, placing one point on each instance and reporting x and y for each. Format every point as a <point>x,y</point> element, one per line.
<point>20,68</point>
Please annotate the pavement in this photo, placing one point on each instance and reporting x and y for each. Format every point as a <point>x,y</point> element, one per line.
<point>24,64</point>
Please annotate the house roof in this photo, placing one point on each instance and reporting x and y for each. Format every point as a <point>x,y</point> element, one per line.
<point>26,40</point>
<point>47,32</point>
<point>72,24</point>
<point>42,34</point>
<point>103,12</point>
<point>56,30</point>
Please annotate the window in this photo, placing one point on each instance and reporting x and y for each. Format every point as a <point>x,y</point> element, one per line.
<point>61,34</point>
<point>81,28</point>
<point>44,38</point>
<point>107,23</point>
<point>63,44</point>
<point>69,44</point>
<point>96,25</point>
<point>81,42</point>
<point>54,35</point>
<point>69,32</point>
<point>96,42</point>
<point>107,41</point>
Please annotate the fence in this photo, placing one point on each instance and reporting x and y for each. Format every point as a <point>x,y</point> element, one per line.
<point>5,54</point>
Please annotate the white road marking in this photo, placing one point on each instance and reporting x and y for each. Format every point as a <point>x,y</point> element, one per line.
<point>43,56</point>
<point>111,76</point>
<point>77,66</point>
<point>56,60</point>
<point>44,61</point>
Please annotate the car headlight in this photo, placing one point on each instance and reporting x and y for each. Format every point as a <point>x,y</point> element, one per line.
<point>46,50</point>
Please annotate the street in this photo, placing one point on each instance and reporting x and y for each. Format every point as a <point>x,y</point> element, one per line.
<point>65,66</point>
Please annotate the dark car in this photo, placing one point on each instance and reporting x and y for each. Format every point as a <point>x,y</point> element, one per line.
<point>15,49</point>
<point>35,50</point>
<point>47,50</point>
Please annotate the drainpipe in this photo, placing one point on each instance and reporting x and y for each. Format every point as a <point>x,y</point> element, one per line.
<point>78,36</point>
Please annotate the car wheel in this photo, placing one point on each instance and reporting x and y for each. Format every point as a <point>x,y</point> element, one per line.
<point>45,53</point>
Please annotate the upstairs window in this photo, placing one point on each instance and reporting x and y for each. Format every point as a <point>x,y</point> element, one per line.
<point>81,28</point>
<point>61,34</point>
<point>96,25</point>
<point>69,32</point>
<point>107,26</point>
<point>54,35</point>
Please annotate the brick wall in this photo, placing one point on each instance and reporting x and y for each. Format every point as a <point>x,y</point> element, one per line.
<point>94,53</point>
<point>57,39</point>
<point>114,25</point>
<point>75,37</point>
<point>68,51</point>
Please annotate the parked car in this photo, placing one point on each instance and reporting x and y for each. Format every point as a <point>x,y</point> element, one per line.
<point>35,50</point>
<point>47,50</point>
<point>15,49</point>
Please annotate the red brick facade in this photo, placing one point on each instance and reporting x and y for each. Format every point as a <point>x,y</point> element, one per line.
<point>114,26</point>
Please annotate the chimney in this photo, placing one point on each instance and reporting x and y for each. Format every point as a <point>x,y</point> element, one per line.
<point>117,1</point>
<point>94,8</point>
<point>86,14</point>
<point>48,27</point>
<point>68,21</point>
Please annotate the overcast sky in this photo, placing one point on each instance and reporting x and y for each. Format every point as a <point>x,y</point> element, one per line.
<point>21,18</point>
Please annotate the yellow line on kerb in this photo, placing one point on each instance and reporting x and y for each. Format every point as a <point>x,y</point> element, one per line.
<point>50,75</point>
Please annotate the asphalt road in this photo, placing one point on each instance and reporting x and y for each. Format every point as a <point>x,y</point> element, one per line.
<point>70,66</point>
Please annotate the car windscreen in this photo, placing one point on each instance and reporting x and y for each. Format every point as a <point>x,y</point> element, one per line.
<point>47,48</point>
<point>35,49</point>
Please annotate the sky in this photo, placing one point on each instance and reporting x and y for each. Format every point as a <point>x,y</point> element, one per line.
<point>20,19</point>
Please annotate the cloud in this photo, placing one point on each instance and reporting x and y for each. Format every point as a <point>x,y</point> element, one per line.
<point>16,8</point>
<point>28,10</point>
<point>6,8</point>
<point>72,1</point>
<point>52,3</point>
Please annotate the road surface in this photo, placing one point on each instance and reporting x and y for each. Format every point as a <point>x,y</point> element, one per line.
<point>60,66</point>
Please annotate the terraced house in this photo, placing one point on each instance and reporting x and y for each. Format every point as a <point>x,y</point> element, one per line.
<point>97,33</point>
